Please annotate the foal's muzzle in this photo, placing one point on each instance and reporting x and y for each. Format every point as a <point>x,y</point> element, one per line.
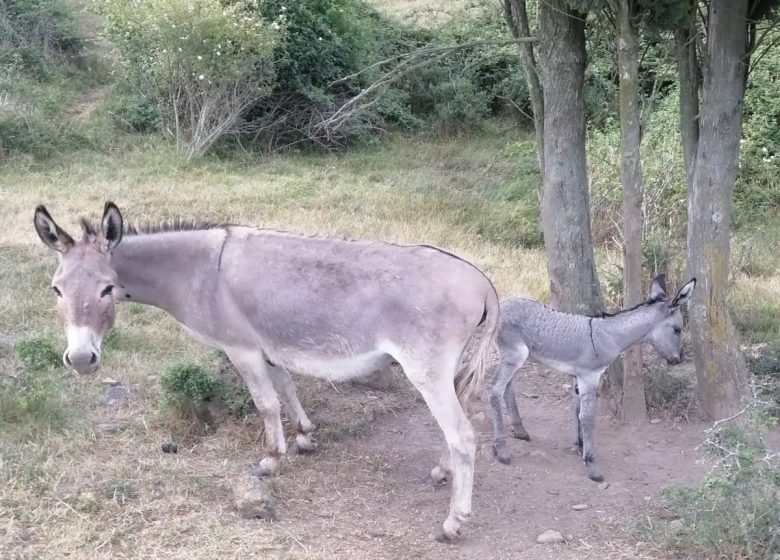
<point>81,361</point>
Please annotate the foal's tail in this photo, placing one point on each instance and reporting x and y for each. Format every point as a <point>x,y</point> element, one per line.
<point>471,377</point>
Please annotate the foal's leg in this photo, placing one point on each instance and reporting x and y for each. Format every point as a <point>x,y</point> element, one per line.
<point>575,407</point>
<point>512,357</point>
<point>518,430</point>
<point>285,388</point>
<point>588,386</point>
<point>253,369</point>
<point>438,390</point>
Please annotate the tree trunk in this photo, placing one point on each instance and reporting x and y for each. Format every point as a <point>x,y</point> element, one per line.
<point>720,366</point>
<point>688,72</point>
<point>565,207</point>
<point>517,20</point>
<point>634,409</point>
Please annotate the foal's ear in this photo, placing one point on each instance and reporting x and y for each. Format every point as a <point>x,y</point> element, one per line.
<point>52,235</point>
<point>111,225</point>
<point>684,294</point>
<point>658,287</point>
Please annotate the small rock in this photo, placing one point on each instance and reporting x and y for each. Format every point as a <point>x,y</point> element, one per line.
<point>653,440</point>
<point>655,421</point>
<point>553,492</point>
<point>580,507</point>
<point>550,537</point>
<point>169,447</point>
<point>116,396</point>
<point>566,386</point>
<point>569,537</point>
<point>603,485</point>
<point>252,498</point>
<point>676,525</point>
<point>109,381</point>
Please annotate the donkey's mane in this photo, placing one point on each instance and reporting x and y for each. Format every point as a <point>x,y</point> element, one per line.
<point>176,224</point>
<point>605,314</point>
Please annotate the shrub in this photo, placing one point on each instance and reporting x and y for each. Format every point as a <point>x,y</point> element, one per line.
<point>34,395</point>
<point>202,62</point>
<point>735,511</point>
<point>193,392</point>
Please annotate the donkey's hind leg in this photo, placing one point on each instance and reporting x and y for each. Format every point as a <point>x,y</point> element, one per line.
<point>512,357</point>
<point>254,371</point>
<point>438,390</point>
<point>285,388</point>
<point>518,430</point>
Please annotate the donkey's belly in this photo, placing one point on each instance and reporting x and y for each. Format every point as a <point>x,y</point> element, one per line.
<point>337,368</point>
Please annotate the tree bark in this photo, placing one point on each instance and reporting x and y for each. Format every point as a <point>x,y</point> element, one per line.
<point>720,366</point>
<point>688,73</point>
<point>516,16</point>
<point>565,206</point>
<point>634,408</point>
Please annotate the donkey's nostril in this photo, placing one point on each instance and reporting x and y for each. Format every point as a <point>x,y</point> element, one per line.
<point>93,360</point>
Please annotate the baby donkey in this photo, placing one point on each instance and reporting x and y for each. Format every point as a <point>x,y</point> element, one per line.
<point>582,347</point>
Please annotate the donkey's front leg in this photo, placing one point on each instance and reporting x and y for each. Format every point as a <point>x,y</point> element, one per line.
<point>253,369</point>
<point>588,389</point>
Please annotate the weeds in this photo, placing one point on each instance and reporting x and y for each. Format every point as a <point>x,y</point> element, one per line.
<point>735,511</point>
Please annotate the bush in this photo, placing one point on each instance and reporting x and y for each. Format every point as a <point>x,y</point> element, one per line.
<point>34,395</point>
<point>201,62</point>
<point>193,392</point>
<point>735,511</point>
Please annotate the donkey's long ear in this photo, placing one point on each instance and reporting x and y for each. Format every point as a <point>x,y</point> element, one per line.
<point>684,294</point>
<point>658,287</point>
<point>52,235</point>
<point>111,224</point>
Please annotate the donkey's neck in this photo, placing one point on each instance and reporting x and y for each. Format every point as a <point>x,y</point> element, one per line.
<point>170,270</point>
<point>623,330</point>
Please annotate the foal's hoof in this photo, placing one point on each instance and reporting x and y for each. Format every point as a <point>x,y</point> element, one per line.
<point>442,536</point>
<point>594,473</point>
<point>501,452</point>
<point>267,467</point>
<point>518,432</point>
<point>596,477</point>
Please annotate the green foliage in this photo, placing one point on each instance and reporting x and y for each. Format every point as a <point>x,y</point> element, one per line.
<point>37,355</point>
<point>33,396</point>
<point>36,33</point>
<point>201,63</point>
<point>668,393</point>
<point>735,511</point>
<point>764,363</point>
<point>189,388</point>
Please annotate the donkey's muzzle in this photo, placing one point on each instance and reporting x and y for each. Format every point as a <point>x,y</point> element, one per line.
<point>674,361</point>
<point>82,362</point>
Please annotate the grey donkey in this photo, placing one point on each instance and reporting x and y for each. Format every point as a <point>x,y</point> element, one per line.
<point>582,347</point>
<point>277,302</point>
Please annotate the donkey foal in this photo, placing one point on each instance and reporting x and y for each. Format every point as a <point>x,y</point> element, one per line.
<point>582,347</point>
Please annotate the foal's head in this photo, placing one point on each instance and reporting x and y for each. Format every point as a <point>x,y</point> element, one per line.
<point>666,336</point>
<point>84,283</point>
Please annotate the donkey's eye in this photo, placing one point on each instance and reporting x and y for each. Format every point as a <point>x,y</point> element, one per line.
<point>57,291</point>
<point>677,330</point>
<point>107,290</point>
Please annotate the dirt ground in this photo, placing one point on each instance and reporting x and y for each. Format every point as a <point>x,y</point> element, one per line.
<point>370,496</point>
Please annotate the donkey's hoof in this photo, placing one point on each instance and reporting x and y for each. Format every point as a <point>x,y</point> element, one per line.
<point>518,432</point>
<point>267,467</point>
<point>596,477</point>
<point>304,445</point>
<point>439,476</point>
<point>442,536</point>
<point>594,473</point>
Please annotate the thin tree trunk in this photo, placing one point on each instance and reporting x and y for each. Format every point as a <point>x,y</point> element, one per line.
<point>634,409</point>
<point>720,366</point>
<point>688,72</point>
<point>517,20</point>
<point>565,207</point>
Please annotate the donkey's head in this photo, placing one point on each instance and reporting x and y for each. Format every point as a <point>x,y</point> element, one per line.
<point>84,283</point>
<point>666,336</point>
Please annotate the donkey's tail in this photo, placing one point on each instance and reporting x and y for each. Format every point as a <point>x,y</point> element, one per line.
<point>472,376</point>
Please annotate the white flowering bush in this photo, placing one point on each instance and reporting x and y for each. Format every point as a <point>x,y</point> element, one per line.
<point>203,62</point>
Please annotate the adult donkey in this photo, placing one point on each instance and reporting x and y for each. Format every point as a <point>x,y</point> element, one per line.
<point>276,301</point>
<point>582,347</point>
